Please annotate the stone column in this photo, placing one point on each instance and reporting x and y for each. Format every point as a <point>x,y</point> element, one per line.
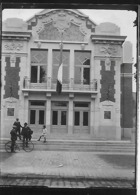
<point>71,69</point>
<point>70,115</point>
<point>49,68</point>
<point>92,117</point>
<point>97,70</point>
<point>2,95</point>
<point>117,98</point>
<point>26,107</point>
<point>48,112</point>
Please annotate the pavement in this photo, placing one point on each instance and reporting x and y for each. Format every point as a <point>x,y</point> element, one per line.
<point>53,168</point>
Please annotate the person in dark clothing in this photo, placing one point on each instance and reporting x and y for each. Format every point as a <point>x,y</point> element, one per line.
<point>18,126</point>
<point>13,138</point>
<point>26,133</point>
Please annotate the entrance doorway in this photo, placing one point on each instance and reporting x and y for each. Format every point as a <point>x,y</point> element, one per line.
<point>59,117</point>
<point>81,118</point>
<point>37,114</point>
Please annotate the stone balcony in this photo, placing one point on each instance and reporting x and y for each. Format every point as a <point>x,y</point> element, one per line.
<point>70,87</point>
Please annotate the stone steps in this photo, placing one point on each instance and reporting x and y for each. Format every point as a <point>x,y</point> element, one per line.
<point>82,145</point>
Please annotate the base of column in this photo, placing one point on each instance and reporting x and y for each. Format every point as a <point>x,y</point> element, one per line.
<point>70,130</point>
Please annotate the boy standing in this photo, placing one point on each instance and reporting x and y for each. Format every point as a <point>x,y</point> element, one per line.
<point>18,125</point>
<point>44,132</point>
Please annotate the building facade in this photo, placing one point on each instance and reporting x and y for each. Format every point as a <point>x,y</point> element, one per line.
<point>95,80</point>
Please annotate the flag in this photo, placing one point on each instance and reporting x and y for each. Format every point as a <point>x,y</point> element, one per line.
<point>60,73</point>
<point>59,79</point>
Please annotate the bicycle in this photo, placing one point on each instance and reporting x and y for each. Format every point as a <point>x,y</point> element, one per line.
<point>27,147</point>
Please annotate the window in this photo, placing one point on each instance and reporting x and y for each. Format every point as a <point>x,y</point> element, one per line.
<point>81,104</point>
<point>107,114</point>
<point>38,66</point>
<point>37,103</point>
<point>55,118</point>
<point>10,111</point>
<point>60,104</point>
<point>32,116</point>
<point>41,117</point>
<point>56,63</point>
<point>77,118</point>
<point>82,67</point>
<point>85,118</point>
<point>63,117</point>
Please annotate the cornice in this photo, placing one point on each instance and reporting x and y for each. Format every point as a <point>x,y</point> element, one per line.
<point>16,35</point>
<point>113,39</point>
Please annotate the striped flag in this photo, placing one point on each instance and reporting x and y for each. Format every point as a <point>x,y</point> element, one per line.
<point>60,72</point>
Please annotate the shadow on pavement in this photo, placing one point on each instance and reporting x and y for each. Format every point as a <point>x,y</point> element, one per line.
<point>123,161</point>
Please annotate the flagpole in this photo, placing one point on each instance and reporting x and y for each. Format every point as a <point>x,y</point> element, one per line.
<point>60,69</point>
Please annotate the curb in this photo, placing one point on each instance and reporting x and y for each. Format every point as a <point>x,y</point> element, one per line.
<point>35,176</point>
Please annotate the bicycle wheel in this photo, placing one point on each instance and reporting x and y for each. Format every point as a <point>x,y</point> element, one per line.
<point>8,146</point>
<point>16,147</point>
<point>29,147</point>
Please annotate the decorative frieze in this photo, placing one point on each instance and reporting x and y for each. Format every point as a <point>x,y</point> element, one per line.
<point>108,50</point>
<point>13,46</point>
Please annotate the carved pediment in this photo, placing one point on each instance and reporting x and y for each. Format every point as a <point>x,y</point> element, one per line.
<point>50,27</point>
<point>50,32</point>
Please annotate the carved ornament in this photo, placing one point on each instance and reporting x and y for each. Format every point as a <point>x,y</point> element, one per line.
<point>107,64</point>
<point>108,50</point>
<point>16,46</point>
<point>51,28</point>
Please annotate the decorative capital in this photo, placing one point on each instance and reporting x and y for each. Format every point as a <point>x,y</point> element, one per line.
<point>48,95</point>
<point>39,44</point>
<point>71,95</point>
<point>26,94</point>
<point>93,96</point>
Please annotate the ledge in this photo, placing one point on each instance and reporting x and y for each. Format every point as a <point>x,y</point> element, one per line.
<point>59,41</point>
<point>113,38</point>
<point>63,91</point>
<point>17,35</point>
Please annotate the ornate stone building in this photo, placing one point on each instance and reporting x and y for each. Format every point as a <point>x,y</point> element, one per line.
<point>91,105</point>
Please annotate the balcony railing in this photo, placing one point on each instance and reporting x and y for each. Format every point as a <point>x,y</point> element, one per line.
<point>49,85</point>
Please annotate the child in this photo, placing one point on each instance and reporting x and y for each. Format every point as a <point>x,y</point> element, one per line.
<point>44,132</point>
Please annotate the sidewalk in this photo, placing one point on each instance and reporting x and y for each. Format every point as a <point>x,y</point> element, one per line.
<point>64,164</point>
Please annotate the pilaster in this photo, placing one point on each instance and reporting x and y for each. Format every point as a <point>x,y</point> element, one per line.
<point>92,117</point>
<point>71,69</point>
<point>70,115</point>
<point>26,108</point>
<point>48,112</point>
<point>117,99</point>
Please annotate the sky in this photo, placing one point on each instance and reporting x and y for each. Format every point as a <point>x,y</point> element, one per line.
<point>122,18</point>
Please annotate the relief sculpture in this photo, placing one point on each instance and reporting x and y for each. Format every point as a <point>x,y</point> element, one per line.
<point>13,46</point>
<point>108,50</point>
<point>52,28</point>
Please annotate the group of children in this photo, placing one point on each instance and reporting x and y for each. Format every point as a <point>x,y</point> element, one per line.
<point>26,133</point>
<point>15,132</point>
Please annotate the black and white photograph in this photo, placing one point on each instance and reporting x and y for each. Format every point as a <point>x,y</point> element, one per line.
<point>69,98</point>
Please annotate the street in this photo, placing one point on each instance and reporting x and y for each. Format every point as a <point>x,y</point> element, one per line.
<point>68,169</point>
